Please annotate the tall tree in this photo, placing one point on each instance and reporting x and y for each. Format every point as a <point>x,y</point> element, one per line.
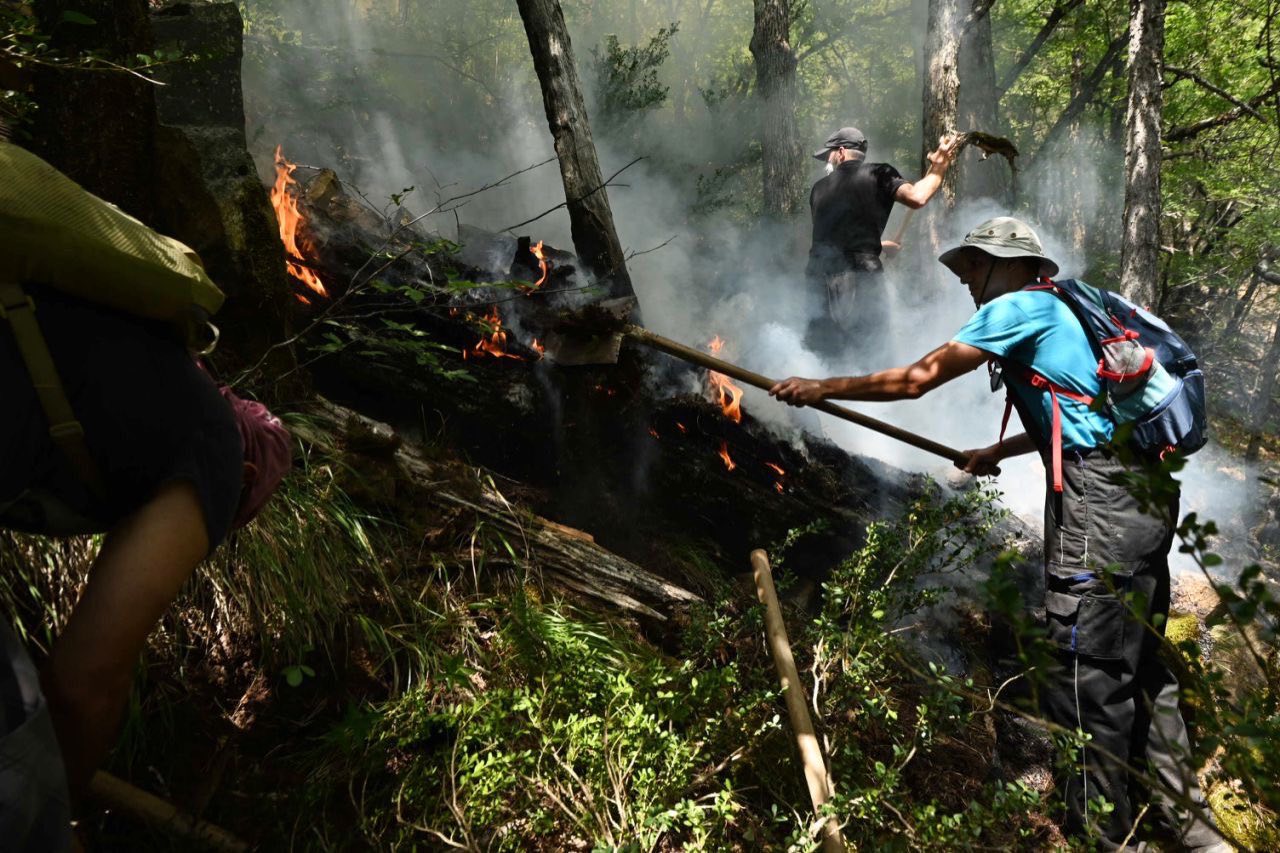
<point>781,154</point>
<point>1264,390</point>
<point>1140,253</point>
<point>590,218</point>
<point>977,107</point>
<point>941,81</point>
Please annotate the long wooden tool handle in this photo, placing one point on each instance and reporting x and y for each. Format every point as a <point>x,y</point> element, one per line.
<point>670,347</point>
<point>815,769</point>
<point>160,814</point>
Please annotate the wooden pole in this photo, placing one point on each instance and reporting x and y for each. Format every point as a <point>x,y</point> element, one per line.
<point>815,770</point>
<point>160,814</point>
<point>701,359</point>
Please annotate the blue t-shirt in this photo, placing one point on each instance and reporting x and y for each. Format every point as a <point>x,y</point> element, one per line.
<point>1037,329</point>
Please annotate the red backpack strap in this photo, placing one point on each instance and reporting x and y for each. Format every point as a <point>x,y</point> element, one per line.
<point>1035,380</point>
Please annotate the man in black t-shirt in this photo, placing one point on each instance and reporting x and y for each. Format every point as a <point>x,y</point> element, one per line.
<point>850,208</point>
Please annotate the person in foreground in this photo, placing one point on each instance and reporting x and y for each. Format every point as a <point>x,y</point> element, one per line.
<point>182,463</point>
<point>1101,549</point>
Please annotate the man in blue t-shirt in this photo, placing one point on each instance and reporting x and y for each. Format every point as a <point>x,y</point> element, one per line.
<point>1106,560</point>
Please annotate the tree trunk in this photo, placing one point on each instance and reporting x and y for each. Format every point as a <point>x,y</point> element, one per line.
<point>977,109</point>
<point>1261,272</point>
<point>590,219</point>
<point>781,155</point>
<point>1261,409</point>
<point>569,558</point>
<point>1140,254</point>
<point>941,82</point>
<point>99,127</point>
<point>1084,94</point>
<point>1059,11</point>
<point>1076,219</point>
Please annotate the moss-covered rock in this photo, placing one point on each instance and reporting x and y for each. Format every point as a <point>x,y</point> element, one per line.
<point>1181,627</point>
<point>1246,825</point>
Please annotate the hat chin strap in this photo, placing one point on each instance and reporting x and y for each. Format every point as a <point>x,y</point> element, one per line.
<point>990,270</point>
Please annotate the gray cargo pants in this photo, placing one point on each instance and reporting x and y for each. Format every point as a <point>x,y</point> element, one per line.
<point>1107,578</point>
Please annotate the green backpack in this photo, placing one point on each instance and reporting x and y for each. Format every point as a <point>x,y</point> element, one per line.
<point>54,233</point>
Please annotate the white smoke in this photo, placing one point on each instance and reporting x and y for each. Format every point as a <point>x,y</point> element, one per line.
<point>326,95</point>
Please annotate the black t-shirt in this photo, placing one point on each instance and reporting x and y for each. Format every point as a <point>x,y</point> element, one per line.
<point>850,208</point>
<point>150,416</point>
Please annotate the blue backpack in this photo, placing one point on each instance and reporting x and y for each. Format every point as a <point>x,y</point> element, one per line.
<point>1151,381</point>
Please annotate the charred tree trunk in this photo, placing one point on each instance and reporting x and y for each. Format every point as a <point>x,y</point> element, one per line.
<point>99,128</point>
<point>782,160</point>
<point>382,468</point>
<point>977,108</point>
<point>1140,254</point>
<point>590,219</point>
<point>941,82</point>
<point>209,194</point>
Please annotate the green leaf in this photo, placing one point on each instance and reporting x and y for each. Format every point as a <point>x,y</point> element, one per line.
<point>77,18</point>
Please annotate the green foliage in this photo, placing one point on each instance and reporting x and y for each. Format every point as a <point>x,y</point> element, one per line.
<point>566,729</point>
<point>544,726</point>
<point>627,77</point>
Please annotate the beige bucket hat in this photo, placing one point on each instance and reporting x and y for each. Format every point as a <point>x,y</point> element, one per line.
<point>1004,237</point>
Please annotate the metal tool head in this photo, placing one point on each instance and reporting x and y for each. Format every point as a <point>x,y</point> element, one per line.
<point>591,335</point>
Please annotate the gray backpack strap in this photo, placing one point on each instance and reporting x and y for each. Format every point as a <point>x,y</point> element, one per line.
<point>35,812</point>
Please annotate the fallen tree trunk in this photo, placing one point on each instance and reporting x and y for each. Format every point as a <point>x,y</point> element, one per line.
<point>568,558</point>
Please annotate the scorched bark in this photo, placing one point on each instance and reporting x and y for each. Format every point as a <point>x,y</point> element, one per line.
<point>590,218</point>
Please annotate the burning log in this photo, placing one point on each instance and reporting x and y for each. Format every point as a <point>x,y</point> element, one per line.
<point>296,245</point>
<point>611,450</point>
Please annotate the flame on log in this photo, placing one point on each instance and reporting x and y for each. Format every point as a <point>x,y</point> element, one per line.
<point>284,200</point>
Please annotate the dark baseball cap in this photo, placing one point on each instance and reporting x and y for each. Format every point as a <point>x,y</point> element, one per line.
<point>845,137</point>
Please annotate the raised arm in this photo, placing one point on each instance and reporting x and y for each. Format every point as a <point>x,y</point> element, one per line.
<point>917,195</point>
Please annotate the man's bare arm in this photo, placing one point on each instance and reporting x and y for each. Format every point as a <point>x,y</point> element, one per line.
<point>987,460</point>
<point>917,195</point>
<point>945,363</point>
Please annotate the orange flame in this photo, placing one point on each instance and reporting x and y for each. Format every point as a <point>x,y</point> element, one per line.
<point>542,263</point>
<point>538,348</point>
<point>289,217</point>
<point>728,395</point>
<point>681,427</point>
<point>653,432</point>
<point>724,454</point>
<point>777,469</point>
<point>493,343</point>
